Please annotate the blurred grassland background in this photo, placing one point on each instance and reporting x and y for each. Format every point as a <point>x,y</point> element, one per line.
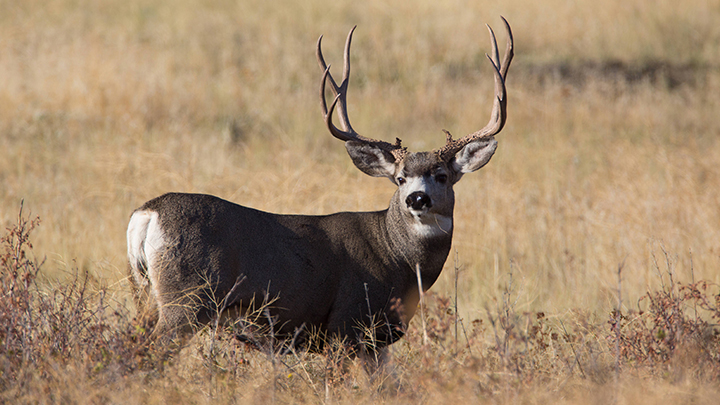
<point>610,154</point>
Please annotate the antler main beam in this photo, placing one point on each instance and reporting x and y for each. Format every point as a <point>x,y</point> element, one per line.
<point>499,111</point>
<point>340,92</point>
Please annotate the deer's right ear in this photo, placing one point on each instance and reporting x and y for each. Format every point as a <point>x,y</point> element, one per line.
<point>371,160</point>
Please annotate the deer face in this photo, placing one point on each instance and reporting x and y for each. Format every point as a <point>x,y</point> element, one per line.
<point>425,180</point>
<point>424,185</point>
<point>425,194</point>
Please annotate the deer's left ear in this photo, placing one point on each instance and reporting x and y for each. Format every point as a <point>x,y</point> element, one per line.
<point>474,155</point>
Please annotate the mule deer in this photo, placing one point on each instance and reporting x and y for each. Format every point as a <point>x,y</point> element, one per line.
<point>338,275</point>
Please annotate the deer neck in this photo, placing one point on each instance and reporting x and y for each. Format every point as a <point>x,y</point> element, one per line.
<point>423,241</point>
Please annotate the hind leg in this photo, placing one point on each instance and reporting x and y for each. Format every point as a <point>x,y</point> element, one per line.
<point>145,305</point>
<point>180,314</point>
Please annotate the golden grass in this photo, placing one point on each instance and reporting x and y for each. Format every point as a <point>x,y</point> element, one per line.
<point>105,105</point>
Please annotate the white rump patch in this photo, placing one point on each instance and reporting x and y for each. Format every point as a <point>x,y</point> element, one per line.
<point>145,240</point>
<point>432,225</point>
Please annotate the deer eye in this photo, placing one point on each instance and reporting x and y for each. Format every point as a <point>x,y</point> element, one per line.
<point>400,181</point>
<point>441,178</point>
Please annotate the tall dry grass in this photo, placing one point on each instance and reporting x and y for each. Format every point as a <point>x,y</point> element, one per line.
<point>609,156</point>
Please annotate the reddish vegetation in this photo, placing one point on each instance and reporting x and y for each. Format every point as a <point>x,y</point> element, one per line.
<point>58,342</point>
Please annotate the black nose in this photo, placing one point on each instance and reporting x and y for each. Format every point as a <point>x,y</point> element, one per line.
<point>418,200</point>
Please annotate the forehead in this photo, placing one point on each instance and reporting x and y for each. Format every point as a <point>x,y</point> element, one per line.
<point>421,162</point>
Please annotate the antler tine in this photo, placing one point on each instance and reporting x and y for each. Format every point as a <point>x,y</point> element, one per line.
<point>499,111</point>
<point>340,90</point>
<point>494,51</point>
<point>342,135</point>
<point>346,57</point>
<point>326,69</point>
<point>509,51</point>
<point>340,93</point>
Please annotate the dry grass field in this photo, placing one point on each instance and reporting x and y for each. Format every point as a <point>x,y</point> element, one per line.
<point>610,160</point>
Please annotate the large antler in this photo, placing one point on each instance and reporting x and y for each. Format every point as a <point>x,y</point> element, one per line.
<point>340,92</point>
<point>499,111</point>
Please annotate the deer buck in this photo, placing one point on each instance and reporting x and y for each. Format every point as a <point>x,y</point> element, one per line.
<point>317,277</point>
